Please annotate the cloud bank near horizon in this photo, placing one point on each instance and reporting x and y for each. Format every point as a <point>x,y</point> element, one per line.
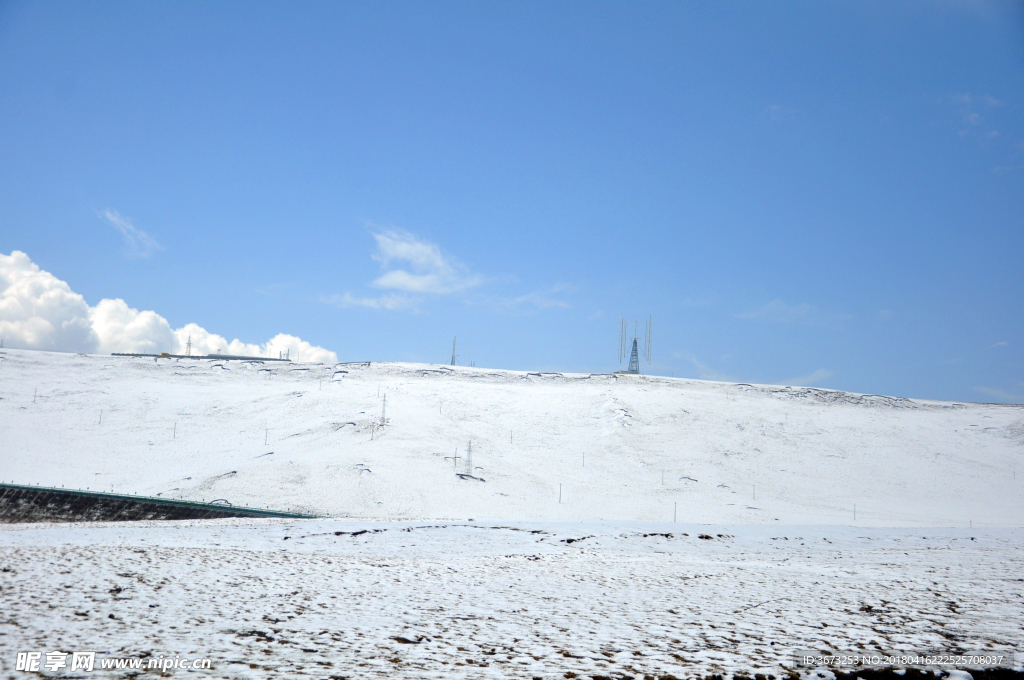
<point>40,311</point>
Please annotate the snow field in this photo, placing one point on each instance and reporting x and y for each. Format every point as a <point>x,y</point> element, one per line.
<point>330,598</point>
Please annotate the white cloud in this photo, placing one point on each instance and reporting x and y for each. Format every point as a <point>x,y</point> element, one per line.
<point>413,269</point>
<point>810,379</point>
<point>540,301</point>
<point>390,301</point>
<point>120,328</point>
<point>544,299</point>
<point>1004,343</point>
<point>282,344</point>
<point>429,270</point>
<point>39,311</point>
<point>300,349</point>
<point>137,243</point>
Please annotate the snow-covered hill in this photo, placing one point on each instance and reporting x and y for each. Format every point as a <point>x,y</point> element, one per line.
<point>307,437</point>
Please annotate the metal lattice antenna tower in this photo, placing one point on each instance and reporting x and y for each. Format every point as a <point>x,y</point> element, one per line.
<point>188,347</point>
<point>634,351</point>
<point>453,350</point>
<point>634,360</point>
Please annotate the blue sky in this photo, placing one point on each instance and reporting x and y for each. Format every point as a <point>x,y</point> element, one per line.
<point>813,193</point>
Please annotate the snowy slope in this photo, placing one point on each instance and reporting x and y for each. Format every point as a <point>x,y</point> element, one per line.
<point>619,447</point>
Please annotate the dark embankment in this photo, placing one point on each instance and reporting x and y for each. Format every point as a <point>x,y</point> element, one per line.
<point>41,504</point>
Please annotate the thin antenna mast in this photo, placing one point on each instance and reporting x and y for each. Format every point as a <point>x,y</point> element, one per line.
<point>453,350</point>
<point>647,339</point>
<point>622,338</point>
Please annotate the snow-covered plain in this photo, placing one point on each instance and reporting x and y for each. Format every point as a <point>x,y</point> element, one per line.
<point>526,599</point>
<point>401,582</point>
<point>618,447</point>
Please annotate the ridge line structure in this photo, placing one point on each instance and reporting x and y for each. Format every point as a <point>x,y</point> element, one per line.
<point>225,357</point>
<point>634,352</point>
